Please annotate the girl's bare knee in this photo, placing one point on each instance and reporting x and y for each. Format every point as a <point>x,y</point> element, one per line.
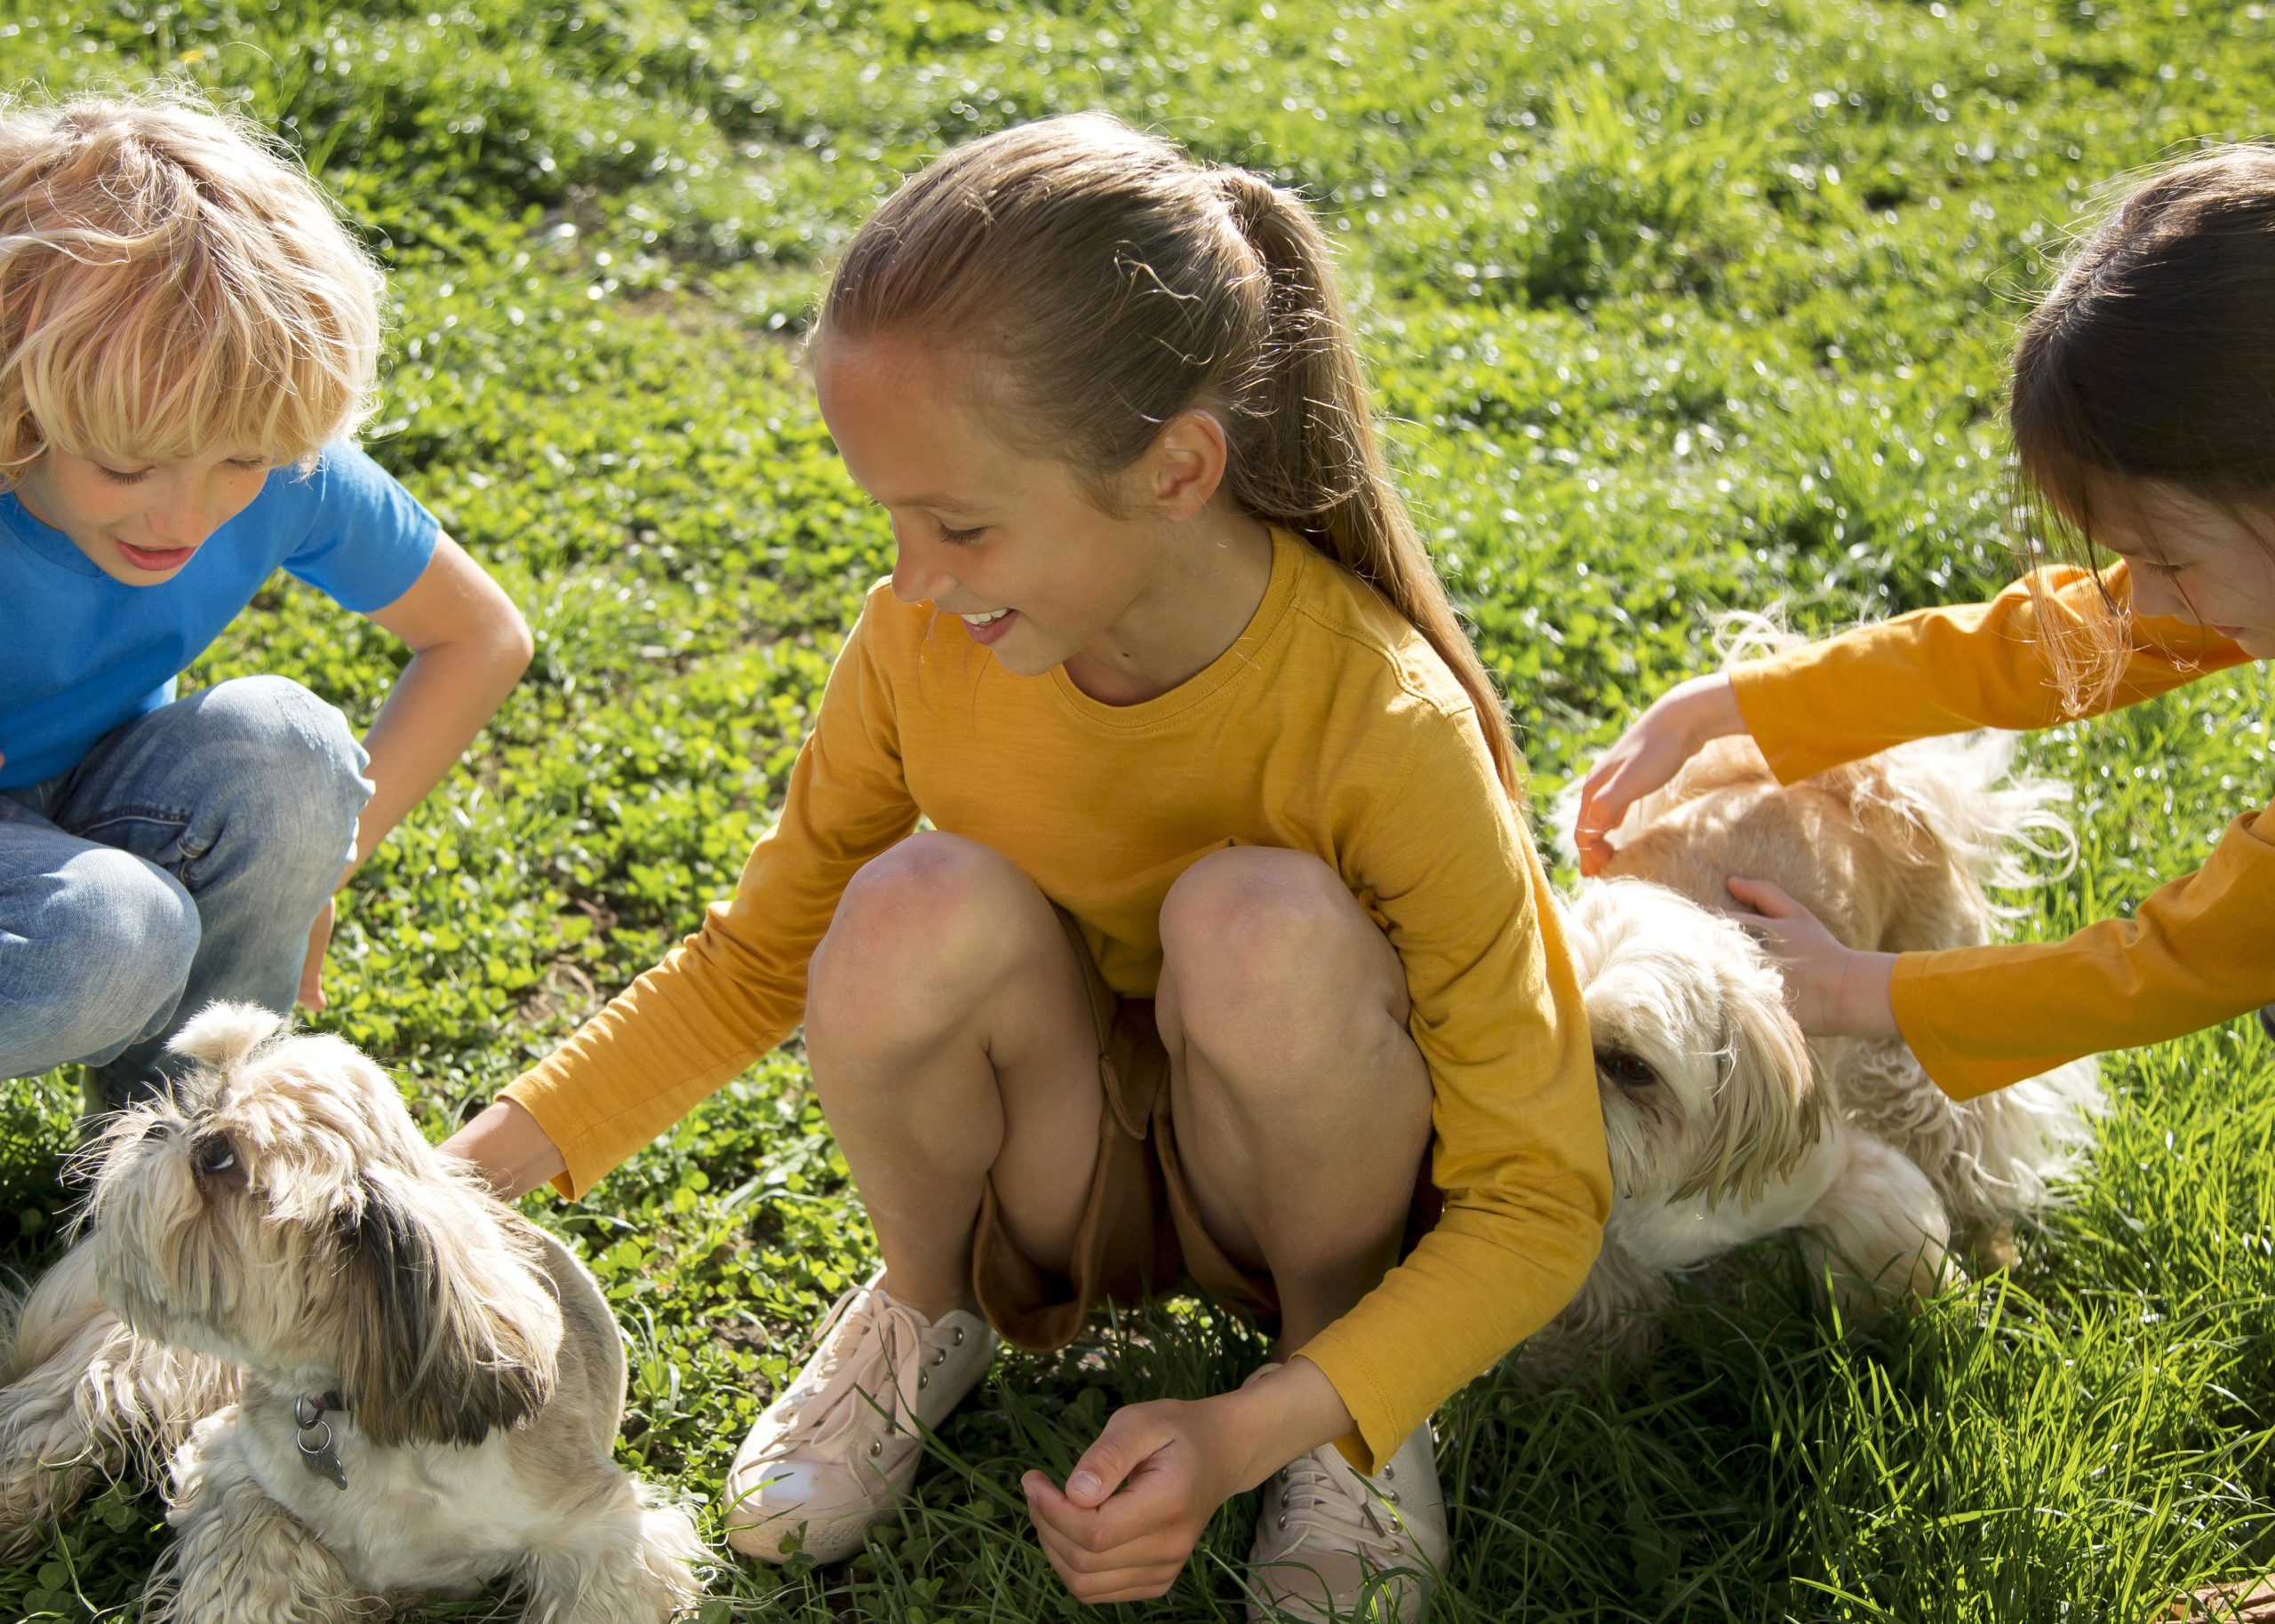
<point>1274,973</point>
<point>919,934</point>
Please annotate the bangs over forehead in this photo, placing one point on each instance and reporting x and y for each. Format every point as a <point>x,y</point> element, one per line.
<point>169,288</point>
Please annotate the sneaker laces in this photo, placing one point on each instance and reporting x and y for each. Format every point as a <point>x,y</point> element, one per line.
<point>867,1334</point>
<point>1344,1505</point>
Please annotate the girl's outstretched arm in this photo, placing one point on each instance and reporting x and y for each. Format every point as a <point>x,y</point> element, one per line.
<point>1938,670</point>
<point>1979,1018</point>
<point>1680,723</point>
<point>508,1149</point>
<point>1932,672</point>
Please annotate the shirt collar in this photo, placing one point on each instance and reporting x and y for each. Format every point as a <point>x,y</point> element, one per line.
<point>44,539</point>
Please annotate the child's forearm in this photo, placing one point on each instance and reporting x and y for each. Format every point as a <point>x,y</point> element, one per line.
<point>509,1149</point>
<point>1294,1409</point>
<point>444,696</point>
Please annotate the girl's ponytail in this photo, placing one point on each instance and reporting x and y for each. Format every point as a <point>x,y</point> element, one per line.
<point>1111,283</point>
<point>1305,453</point>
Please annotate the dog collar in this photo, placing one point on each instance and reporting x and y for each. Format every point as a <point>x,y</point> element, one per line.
<point>315,1437</point>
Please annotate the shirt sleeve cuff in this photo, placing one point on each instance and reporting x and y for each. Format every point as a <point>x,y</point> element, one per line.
<point>1911,995</point>
<point>1376,1434</point>
<point>1754,686</point>
<point>528,1092</point>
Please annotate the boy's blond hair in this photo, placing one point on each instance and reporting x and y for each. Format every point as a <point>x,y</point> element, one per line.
<point>171,285</point>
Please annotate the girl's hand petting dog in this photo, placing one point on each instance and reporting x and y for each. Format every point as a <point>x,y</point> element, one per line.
<point>1682,723</point>
<point>1835,990</point>
<point>1136,1503</point>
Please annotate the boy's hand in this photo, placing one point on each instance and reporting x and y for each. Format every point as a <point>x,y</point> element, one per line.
<point>1835,990</point>
<point>1652,751</point>
<point>1135,1502</point>
<point>311,995</point>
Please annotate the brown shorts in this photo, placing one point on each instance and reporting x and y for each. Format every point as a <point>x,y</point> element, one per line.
<point>1140,1234</point>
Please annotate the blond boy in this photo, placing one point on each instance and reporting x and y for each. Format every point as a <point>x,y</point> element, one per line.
<point>187,336</point>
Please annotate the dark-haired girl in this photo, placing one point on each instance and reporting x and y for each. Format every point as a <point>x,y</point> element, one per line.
<point>2143,412</point>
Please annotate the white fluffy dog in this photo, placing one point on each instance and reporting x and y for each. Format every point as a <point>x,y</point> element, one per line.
<point>391,1383</point>
<point>1724,1124</point>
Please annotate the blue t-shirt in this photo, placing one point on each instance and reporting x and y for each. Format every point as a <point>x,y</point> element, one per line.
<point>80,653</point>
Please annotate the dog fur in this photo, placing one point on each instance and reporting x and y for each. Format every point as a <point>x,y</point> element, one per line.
<point>1724,1124</point>
<point>278,1228</point>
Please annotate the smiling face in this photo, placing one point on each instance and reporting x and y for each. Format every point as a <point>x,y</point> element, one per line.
<point>2190,559</point>
<point>1131,602</point>
<point>1012,544</point>
<point>140,523</point>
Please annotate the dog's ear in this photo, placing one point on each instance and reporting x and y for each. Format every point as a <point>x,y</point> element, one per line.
<point>448,1333</point>
<point>1769,1112</point>
<point>222,1035</point>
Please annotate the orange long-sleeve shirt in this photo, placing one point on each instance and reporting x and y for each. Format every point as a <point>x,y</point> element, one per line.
<point>2199,951</point>
<point>1330,726</point>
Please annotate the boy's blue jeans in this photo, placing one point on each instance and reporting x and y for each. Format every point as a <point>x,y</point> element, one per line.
<point>183,861</point>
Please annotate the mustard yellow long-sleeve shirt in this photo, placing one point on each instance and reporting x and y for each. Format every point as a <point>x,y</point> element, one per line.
<point>2199,951</point>
<point>1330,727</point>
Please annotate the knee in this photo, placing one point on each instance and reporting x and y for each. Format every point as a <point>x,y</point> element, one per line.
<point>1271,969</point>
<point>288,757</point>
<point>921,933</point>
<point>94,954</point>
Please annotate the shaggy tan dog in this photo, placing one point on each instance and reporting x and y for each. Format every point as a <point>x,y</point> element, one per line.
<point>391,1383</point>
<point>1724,1124</point>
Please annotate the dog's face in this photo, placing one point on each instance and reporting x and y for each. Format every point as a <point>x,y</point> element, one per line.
<point>281,1210</point>
<point>1705,1077</point>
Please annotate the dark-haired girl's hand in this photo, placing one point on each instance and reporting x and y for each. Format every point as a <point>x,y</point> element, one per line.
<point>1834,991</point>
<point>1678,725</point>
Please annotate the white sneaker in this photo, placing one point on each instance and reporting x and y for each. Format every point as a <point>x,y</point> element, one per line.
<point>839,1447</point>
<point>1323,1531</point>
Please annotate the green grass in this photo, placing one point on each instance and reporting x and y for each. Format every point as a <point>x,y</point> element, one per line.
<point>1677,307</point>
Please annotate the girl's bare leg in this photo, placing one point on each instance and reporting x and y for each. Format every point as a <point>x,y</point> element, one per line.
<point>1302,1106</point>
<point>950,1033</point>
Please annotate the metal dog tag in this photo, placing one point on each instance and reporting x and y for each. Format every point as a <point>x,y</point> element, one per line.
<point>315,1444</point>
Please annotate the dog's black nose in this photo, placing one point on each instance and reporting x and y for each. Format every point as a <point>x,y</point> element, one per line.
<point>214,1159</point>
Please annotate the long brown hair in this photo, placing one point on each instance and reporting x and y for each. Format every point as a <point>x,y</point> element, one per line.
<point>2153,357</point>
<point>1104,281</point>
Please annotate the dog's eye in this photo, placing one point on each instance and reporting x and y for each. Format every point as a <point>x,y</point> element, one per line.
<point>1628,1070</point>
<point>215,1159</point>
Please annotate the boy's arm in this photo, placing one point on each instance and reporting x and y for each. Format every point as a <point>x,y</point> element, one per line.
<point>468,645</point>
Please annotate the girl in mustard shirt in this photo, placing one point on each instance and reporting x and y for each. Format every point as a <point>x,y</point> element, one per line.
<point>2143,410</point>
<point>1227,953</point>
